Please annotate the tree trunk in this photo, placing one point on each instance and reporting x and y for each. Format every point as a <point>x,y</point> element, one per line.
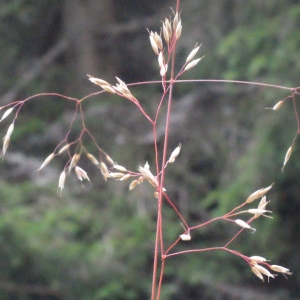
<point>83,20</point>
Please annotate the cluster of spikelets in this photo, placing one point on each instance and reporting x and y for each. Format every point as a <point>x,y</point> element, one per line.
<point>171,31</point>
<point>115,171</point>
<point>258,264</point>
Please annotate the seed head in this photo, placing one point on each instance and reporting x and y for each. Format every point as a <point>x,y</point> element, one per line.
<point>115,175</point>
<point>185,237</point>
<point>258,194</point>
<point>46,161</point>
<point>263,270</point>
<point>148,175</point>
<point>98,81</point>
<point>178,30</point>
<point>174,154</point>
<point>257,259</point>
<point>125,177</point>
<point>153,43</point>
<point>192,64</point>
<point>287,157</point>
<point>63,149</point>
<point>119,168</point>
<point>133,184</point>
<point>109,160</point>
<point>81,174</point>
<point>278,105</point>
<point>7,113</point>
<point>245,225</point>
<point>92,158</point>
<point>75,159</point>
<point>257,273</point>
<point>104,170</point>
<point>61,181</point>
<point>280,269</point>
<point>192,54</point>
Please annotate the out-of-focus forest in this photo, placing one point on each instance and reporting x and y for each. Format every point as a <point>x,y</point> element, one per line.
<point>96,241</point>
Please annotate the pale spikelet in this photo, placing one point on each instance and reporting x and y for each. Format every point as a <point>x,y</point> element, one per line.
<point>175,21</point>
<point>243,224</point>
<point>156,194</point>
<point>63,149</point>
<point>160,59</point>
<point>109,89</point>
<point>92,158</point>
<point>75,159</point>
<point>115,175</point>
<point>140,180</point>
<point>109,160</point>
<point>6,139</point>
<point>168,27</point>
<point>61,181</point>
<point>259,193</point>
<point>122,88</point>
<point>257,259</point>
<point>153,43</point>
<point>263,203</point>
<point>174,154</point>
<point>263,271</point>
<point>287,157</point>
<point>185,237</point>
<point>163,70</point>
<point>192,64</point>
<point>280,269</point>
<point>125,177</point>
<point>104,170</point>
<point>119,168</point>
<point>46,161</point>
<point>148,175</point>
<point>178,30</point>
<point>81,174</point>
<point>166,33</point>
<point>158,41</point>
<point>259,212</point>
<point>7,113</point>
<point>257,273</point>
<point>98,81</point>
<point>278,105</point>
<point>10,130</point>
<point>133,184</point>
<point>192,54</point>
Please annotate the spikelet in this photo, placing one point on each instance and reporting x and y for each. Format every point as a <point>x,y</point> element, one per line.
<point>245,225</point>
<point>46,161</point>
<point>61,181</point>
<point>287,157</point>
<point>7,113</point>
<point>258,194</point>
<point>63,149</point>
<point>81,174</point>
<point>174,154</point>
<point>104,170</point>
<point>92,158</point>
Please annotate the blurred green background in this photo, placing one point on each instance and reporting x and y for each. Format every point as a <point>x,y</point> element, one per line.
<point>96,242</point>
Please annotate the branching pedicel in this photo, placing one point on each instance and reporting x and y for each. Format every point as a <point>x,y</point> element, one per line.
<point>165,51</point>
